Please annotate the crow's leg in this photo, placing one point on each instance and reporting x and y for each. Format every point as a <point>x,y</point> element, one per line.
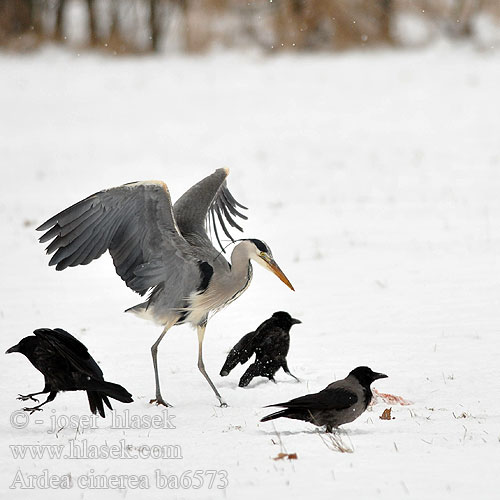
<point>25,397</point>
<point>50,398</point>
<point>285,367</point>
<point>154,353</point>
<point>201,364</point>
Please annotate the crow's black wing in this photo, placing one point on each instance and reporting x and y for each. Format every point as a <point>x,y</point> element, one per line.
<point>240,353</point>
<point>327,399</point>
<point>247,346</point>
<point>272,342</point>
<point>71,349</point>
<point>264,366</point>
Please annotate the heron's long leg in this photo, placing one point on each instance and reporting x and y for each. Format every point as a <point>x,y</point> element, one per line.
<point>201,365</point>
<point>154,352</point>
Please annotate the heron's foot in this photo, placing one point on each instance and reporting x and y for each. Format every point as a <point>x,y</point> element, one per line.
<point>33,410</point>
<point>26,397</point>
<point>159,401</point>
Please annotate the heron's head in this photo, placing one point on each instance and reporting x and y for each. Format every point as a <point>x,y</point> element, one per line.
<point>261,253</point>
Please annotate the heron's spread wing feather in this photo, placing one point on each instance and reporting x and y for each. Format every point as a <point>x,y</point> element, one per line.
<point>199,206</point>
<point>136,224</point>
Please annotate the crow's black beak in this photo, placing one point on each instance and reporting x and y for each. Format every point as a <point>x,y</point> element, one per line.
<point>296,321</point>
<point>376,376</point>
<point>14,348</point>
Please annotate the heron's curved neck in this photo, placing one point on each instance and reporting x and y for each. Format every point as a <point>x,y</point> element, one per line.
<point>240,260</point>
<point>241,267</point>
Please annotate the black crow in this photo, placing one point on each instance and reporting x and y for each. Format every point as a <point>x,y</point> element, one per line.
<point>67,366</point>
<point>270,343</point>
<point>339,403</point>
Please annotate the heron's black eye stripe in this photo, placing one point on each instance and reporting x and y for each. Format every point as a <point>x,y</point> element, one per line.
<point>260,245</point>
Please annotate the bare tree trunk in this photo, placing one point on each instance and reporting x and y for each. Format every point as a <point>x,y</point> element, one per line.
<point>114,39</point>
<point>385,20</point>
<point>36,12</point>
<point>154,28</point>
<point>93,37</point>
<point>188,39</point>
<point>15,17</point>
<point>59,28</point>
<point>19,28</point>
<point>462,16</point>
<point>346,31</point>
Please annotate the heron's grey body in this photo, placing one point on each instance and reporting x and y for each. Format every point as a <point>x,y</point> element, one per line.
<point>224,284</point>
<point>162,249</point>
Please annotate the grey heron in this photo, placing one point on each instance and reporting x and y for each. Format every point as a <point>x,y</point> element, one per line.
<point>164,250</point>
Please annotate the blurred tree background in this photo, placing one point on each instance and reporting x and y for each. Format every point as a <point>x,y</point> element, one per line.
<point>142,26</point>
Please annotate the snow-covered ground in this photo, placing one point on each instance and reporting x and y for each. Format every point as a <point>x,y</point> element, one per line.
<point>375,179</point>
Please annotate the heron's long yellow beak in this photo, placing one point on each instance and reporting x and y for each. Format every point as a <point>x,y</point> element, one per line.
<point>273,267</point>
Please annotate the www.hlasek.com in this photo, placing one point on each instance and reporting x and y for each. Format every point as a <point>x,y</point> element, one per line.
<point>124,420</point>
<point>189,479</point>
<point>81,448</point>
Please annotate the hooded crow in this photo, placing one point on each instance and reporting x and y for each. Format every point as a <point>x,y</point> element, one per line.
<point>339,403</point>
<point>270,343</point>
<point>67,366</point>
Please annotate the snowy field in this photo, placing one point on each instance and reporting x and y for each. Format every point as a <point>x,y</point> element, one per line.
<point>374,178</point>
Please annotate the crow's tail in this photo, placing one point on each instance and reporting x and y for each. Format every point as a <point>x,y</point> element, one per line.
<point>277,414</point>
<point>98,392</point>
<point>95,402</point>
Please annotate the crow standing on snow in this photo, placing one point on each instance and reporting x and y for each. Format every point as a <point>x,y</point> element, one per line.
<point>67,366</point>
<point>270,343</point>
<point>339,403</point>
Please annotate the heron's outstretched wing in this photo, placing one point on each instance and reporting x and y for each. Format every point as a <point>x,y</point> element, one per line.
<point>135,223</point>
<point>206,203</point>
